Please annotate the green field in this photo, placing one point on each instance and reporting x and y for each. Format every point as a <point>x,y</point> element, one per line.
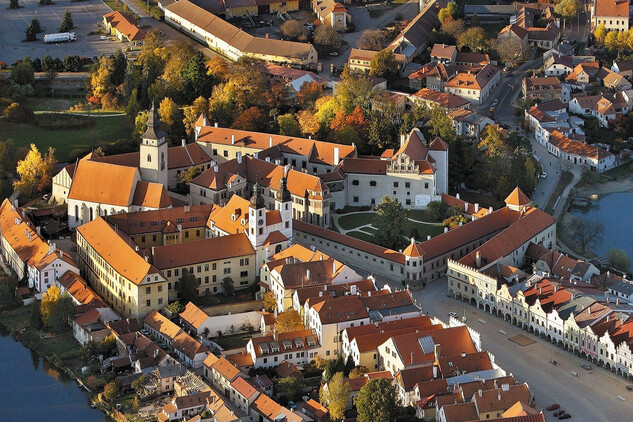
<point>351,221</point>
<point>354,221</point>
<point>362,236</point>
<point>107,130</point>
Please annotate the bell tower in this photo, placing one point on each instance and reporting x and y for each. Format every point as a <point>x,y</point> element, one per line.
<point>154,151</point>
<point>283,203</point>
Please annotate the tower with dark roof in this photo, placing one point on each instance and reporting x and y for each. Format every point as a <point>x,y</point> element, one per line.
<point>283,203</point>
<point>154,151</point>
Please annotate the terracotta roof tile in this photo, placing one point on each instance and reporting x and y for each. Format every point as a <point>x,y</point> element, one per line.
<point>122,24</point>
<point>199,251</point>
<point>162,325</point>
<point>151,195</point>
<point>104,183</point>
<point>193,315</point>
<point>445,99</point>
<point>116,251</point>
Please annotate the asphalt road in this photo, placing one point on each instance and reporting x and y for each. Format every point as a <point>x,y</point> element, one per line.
<point>86,16</point>
<point>590,397</point>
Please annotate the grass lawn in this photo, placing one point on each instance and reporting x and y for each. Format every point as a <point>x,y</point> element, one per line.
<point>624,170</point>
<point>351,221</point>
<point>50,104</point>
<point>362,236</point>
<point>422,215</point>
<point>105,131</point>
<point>423,230</point>
<point>565,179</point>
<point>233,342</point>
<point>370,230</point>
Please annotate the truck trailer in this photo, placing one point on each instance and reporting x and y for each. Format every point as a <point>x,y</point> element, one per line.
<point>60,37</point>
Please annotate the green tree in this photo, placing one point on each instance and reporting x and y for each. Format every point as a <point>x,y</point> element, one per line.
<point>140,123</point>
<point>72,63</point>
<point>384,65</point>
<point>14,4</point>
<point>22,73</point>
<point>377,402</point>
<point>62,314</point>
<point>187,287</point>
<point>309,93</point>
<point>30,32</point>
<point>390,221</point>
<point>440,124</point>
<point>355,91</point>
<point>48,64</point>
<point>449,12</point>
<point>133,107</point>
<point>336,396</point>
<point>139,383</point>
<point>118,69</point>
<point>358,372</point>
<point>67,22</point>
<point>474,20</point>
<point>36,25</point>
<point>475,38</point>
<point>492,141</point>
<point>185,177</point>
<point>196,80</point>
<point>618,259</point>
<point>228,286</point>
<point>289,386</point>
<point>175,308</point>
<point>35,315</point>
<point>288,125</point>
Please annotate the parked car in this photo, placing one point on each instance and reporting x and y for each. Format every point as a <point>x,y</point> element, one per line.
<point>629,387</point>
<point>334,53</point>
<point>559,412</point>
<point>543,175</point>
<point>586,366</point>
<point>553,406</point>
<point>564,416</point>
<point>494,104</point>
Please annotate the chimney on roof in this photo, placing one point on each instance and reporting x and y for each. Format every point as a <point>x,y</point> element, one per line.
<point>478,259</point>
<point>179,227</point>
<point>153,250</point>
<point>308,275</point>
<point>499,395</point>
<point>369,293</point>
<point>479,392</point>
<point>413,240</point>
<point>270,142</point>
<point>555,287</point>
<point>321,257</point>
<point>476,208</point>
<point>232,139</point>
<point>61,253</point>
<point>617,301</point>
<point>238,156</point>
<point>268,159</point>
<point>216,168</point>
<point>267,35</point>
<point>38,229</point>
<point>589,310</point>
<point>275,312</point>
<point>403,139</point>
<point>437,351</point>
<point>445,229</point>
<point>463,354</point>
<point>325,287</point>
<point>465,206</point>
<point>184,142</point>
<point>460,224</point>
<point>156,353</point>
<point>333,266</point>
<point>215,124</point>
<point>51,248</point>
<point>490,209</point>
<point>353,289</point>
<point>411,358</point>
<point>457,195</point>
<point>434,370</point>
<point>321,294</point>
<point>337,156</point>
<point>505,387</point>
<point>428,237</point>
<point>540,291</point>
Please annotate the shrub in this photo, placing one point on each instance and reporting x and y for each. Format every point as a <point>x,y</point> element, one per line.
<point>17,113</point>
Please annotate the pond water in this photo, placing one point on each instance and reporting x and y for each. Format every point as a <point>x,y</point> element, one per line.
<point>32,390</point>
<point>615,212</point>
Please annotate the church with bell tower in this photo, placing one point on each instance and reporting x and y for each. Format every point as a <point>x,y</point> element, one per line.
<point>154,151</point>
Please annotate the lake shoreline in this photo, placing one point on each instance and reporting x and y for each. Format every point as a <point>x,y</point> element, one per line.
<point>18,337</point>
<point>621,185</point>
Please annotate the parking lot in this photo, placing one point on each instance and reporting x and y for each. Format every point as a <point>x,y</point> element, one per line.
<point>86,16</point>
